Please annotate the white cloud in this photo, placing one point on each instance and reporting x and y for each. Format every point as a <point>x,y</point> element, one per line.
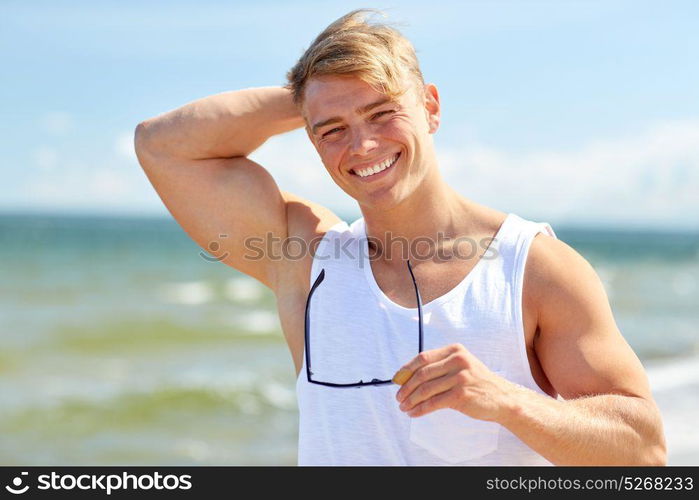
<point>102,188</point>
<point>123,145</point>
<point>57,123</point>
<point>652,179</point>
<point>109,184</point>
<point>46,158</point>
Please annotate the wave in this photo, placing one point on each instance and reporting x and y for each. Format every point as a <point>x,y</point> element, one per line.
<point>187,293</point>
<point>195,392</point>
<point>673,374</point>
<point>245,290</point>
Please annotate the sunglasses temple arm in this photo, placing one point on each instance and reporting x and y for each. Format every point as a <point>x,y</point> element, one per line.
<point>307,322</point>
<point>419,307</point>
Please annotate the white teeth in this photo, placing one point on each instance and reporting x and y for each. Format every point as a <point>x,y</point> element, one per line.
<point>376,168</point>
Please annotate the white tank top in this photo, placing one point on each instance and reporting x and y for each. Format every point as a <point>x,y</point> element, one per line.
<point>358,333</point>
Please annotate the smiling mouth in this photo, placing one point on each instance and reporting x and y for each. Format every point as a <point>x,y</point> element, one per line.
<point>380,167</point>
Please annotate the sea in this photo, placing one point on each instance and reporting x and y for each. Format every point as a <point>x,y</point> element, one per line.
<point>121,344</point>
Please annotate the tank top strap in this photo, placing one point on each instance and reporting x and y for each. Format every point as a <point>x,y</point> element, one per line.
<point>525,232</point>
<point>326,252</point>
<point>520,237</point>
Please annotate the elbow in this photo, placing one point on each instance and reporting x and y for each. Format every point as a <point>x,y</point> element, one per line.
<point>656,455</point>
<point>142,142</point>
<point>655,449</point>
<point>139,136</point>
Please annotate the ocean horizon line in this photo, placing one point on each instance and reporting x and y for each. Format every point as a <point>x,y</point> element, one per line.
<point>601,229</point>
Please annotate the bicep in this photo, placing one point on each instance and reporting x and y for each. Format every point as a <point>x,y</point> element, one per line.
<point>579,346</point>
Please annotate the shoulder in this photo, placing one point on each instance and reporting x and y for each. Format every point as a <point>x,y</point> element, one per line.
<point>554,267</point>
<point>307,223</point>
<point>561,286</point>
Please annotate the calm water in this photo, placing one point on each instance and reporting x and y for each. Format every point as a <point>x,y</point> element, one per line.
<point>119,344</point>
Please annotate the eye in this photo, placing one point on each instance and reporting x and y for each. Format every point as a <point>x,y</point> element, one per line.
<point>380,113</point>
<point>331,131</point>
<point>376,115</point>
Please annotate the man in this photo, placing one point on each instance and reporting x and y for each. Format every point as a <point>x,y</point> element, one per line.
<point>496,367</point>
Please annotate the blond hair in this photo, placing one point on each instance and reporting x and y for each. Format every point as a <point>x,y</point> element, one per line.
<point>376,53</point>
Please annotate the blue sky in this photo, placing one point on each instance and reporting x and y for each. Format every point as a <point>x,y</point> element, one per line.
<point>569,112</point>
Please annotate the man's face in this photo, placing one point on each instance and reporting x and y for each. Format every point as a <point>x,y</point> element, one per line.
<point>355,128</point>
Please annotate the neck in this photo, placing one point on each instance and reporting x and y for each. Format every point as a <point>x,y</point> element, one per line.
<point>433,211</point>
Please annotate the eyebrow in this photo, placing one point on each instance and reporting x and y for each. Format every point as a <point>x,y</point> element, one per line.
<point>361,110</point>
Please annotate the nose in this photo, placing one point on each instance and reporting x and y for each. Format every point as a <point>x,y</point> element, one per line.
<point>362,141</point>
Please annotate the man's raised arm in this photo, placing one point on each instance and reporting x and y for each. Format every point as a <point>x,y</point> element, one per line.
<point>224,125</point>
<point>195,158</point>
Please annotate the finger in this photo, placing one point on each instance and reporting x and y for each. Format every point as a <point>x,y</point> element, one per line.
<point>402,376</point>
<point>422,359</point>
<point>437,402</point>
<point>429,389</point>
<point>425,374</point>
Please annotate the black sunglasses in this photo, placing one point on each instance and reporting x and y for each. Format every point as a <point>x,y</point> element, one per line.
<point>307,335</point>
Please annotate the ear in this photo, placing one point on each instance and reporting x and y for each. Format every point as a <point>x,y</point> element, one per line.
<point>432,107</point>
